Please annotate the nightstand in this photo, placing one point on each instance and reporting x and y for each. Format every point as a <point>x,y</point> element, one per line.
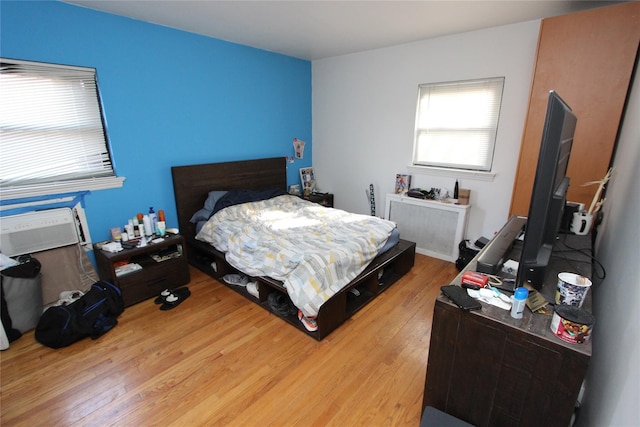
<point>324,199</point>
<point>164,265</point>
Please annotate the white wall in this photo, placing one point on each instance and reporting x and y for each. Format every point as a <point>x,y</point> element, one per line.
<point>364,113</point>
<point>363,118</point>
<point>613,380</point>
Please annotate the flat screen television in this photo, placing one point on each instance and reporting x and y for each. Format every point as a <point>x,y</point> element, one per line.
<point>549,192</point>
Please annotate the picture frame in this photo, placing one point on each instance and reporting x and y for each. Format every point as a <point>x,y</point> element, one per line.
<point>403,183</point>
<point>307,179</point>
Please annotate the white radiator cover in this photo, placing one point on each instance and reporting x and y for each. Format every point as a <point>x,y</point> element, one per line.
<point>37,231</point>
<point>436,227</point>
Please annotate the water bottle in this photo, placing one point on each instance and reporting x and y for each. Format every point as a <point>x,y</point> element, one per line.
<point>519,300</point>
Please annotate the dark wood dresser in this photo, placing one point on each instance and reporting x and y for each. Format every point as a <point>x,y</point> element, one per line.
<point>490,369</point>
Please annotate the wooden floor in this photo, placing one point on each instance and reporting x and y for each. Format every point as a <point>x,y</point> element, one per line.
<point>219,359</point>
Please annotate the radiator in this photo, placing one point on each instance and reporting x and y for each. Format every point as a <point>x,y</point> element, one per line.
<point>436,227</point>
<point>37,231</point>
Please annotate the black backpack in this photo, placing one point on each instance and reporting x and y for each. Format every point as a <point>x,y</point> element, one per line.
<point>92,315</point>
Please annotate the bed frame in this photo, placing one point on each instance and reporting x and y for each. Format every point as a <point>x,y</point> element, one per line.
<point>191,185</point>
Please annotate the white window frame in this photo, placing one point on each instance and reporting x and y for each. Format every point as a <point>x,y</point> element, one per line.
<point>56,143</point>
<point>456,125</point>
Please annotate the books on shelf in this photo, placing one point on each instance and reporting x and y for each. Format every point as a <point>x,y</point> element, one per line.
<point>127,268</point>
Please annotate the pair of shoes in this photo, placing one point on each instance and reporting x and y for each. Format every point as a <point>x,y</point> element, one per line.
<point>174,298</point>
<point>252,289</point>
<point>309,323</point>
<point>236,279</point>
<point>163,296</point>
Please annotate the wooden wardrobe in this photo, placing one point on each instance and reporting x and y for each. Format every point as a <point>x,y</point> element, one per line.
<point>588,58</point>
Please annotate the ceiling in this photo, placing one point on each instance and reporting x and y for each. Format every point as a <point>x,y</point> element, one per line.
<point>320,29</point>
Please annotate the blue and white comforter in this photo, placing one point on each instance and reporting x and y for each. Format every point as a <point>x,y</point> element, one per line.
<point>315,251</point>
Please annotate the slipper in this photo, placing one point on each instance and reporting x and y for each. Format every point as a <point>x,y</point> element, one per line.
<point>175,298</point>
<point>162,297</point>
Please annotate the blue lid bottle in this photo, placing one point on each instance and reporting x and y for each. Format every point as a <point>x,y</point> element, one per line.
<point>153,219</point>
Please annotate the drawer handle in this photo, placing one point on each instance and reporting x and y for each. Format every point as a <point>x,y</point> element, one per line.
<point>156,281</point>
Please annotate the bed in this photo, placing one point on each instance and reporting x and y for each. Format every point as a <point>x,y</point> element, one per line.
<point>192,186</point>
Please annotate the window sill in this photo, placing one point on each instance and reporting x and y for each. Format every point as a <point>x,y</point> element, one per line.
<point>61,187</point>
<point>455,173</point>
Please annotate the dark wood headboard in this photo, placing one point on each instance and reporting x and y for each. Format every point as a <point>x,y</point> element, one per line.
<point>192,183</point>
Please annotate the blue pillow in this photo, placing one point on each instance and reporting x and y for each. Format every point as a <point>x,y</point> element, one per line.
<point>213,198</point>
<point>205,213</point>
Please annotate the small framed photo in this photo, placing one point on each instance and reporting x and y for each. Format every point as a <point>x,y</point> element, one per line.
<point>403,183</point>
<point>307,178</point>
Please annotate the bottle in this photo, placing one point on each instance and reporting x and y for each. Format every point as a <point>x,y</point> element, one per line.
<point>148,231</point>
<point>161,225</point>
<point>154,220</point>
<point>519,300</point>
<point>136,227</point>
<point>455,191</point>
<point>130,230</point>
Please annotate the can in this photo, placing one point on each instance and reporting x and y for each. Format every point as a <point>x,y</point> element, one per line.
<point>572,324</point>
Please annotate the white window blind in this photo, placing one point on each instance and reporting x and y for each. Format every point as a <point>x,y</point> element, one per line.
<point>456,124</point>
<point>52,137</point>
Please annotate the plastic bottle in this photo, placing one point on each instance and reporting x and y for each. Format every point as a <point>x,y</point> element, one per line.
<point>519,300</point>
<point>161,225</point>
<point>153,218</point>
<point>455,190</point>
<point>136,227</point>
<point>148,231</point>
<point>130,230</point>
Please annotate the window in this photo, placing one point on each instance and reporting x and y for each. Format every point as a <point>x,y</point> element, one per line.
<point>52,137</point>
<point>456,124</point>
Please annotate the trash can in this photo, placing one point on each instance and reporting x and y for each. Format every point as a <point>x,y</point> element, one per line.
<point>22,293</point>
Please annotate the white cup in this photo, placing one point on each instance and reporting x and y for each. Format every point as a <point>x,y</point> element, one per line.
<point>581,223</point>
<point>572,289</point>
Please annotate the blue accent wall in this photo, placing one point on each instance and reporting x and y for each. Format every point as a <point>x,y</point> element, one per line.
<point>170,98</point>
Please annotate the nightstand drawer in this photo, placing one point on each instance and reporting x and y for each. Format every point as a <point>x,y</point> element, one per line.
<point>153,279</point>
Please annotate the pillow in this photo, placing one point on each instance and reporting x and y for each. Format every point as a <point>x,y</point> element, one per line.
<point>206,212</point>
<point>200,215</point>
<point>213,198</point>
<point>236,197</point>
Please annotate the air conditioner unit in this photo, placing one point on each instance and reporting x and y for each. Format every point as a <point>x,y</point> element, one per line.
<point>37,231</point>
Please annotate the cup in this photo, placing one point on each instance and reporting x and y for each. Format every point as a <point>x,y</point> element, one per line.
<point>463,196</point>
<point>581,223</point>
<point>572,289</point>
